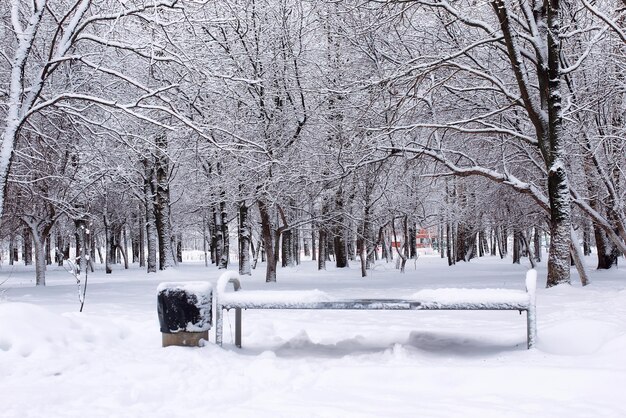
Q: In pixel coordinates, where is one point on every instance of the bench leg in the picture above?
(238, 327)
(531, 325)
(218, 324)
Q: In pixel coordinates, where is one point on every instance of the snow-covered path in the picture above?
(108, 362)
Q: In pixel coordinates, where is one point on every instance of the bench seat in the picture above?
(426, 299)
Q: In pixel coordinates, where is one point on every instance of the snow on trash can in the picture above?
(185, 314)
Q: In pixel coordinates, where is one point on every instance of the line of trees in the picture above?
(322, 127)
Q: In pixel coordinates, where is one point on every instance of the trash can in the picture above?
(185, 314)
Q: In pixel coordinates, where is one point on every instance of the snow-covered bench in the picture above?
(428, 299)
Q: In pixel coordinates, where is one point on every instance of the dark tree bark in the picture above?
(586, 239)
(313, 243)
(225, 235)
(323, 248)
(244, 240)
(268, 242)
(412, 241)
(12, 250)
(205, 240)
(48, 250)
(162, 203)
(287, 259)
(547, 118)
(107, 245)
(537, 244)
(306, 248)
(449, 245)
(27, 247)
(607, 251)
(142, 238)
(517, 254)
(179, 247)
(150, 188)
(295, 242)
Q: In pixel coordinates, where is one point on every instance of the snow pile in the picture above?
(29, 330)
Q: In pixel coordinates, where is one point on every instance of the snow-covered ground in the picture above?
(108, 360)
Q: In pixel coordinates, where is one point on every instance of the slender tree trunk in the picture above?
(323, 248)
(586, 239)
(268, 242)
(12, 250)
(92, 249)
(531, 257)
(537, 244)
(134, 237)
(577, 256)
(225, 257)
(107, 245)
(150, 188)
(412, 241)
(337, 232)
(27, 247)
(142, 239)
(295, 240)
(383, 243)
(516, 246)
(205, 240)
(58, 253)
(449, 244)
(245, 236)
(306, 248)
(48, 250)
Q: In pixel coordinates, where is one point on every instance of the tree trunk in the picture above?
(586, 239)
(48, 250)
(323, 248)
(268, 242)
(245, 236)
(134, 237)
(286, 249)
(516, 246)
(225, 236)
(306, 248)
(295, 244)
(27, 247)
(412, 241)
(40, 261)
(151, 238)
(162, 205)
(560, 225)
(341, 255)
(607, 251)
(205, 241)
(577, 256)
(107, 245)
(142, 239)
(537, 245)
(12, 250)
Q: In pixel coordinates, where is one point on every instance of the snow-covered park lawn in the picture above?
(108, 361)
